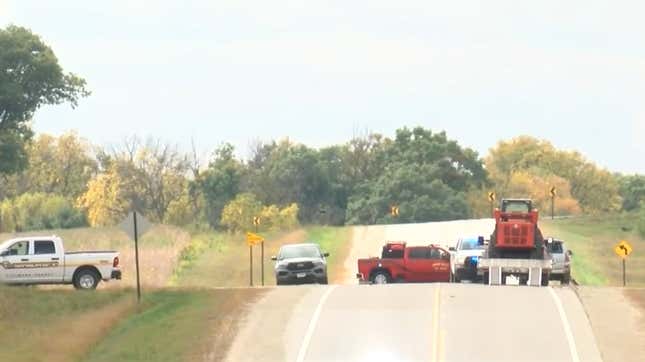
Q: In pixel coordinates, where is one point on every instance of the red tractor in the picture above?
(516, 235)
(517, 247)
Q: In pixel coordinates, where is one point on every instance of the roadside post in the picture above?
(553, 192)
(252, 239)
(256, 222)
(623, 250)
(135, 225)
(491, 199)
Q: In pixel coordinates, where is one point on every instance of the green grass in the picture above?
(176, 325)
(592, 239)
(335, 241)
(163, 331)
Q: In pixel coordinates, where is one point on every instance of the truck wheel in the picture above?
(457, 277)
(485, 278)
(381, 277)
(545, 280)
(324, 281)
(86, 280)
(566, 278)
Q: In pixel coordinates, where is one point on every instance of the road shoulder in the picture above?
(617, 323)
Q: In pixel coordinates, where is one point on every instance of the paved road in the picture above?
(415, 322)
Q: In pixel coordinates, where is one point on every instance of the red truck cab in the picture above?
(402, 263)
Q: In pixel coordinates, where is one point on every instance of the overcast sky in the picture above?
(318, 72)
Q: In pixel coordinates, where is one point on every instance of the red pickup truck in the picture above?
(399, 263)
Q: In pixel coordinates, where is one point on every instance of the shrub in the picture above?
(39, 211)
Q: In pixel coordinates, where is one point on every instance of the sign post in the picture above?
(252, 239)
(552, 191)
(623, 249)
(256, 222)
(491, 199)
(136, 225)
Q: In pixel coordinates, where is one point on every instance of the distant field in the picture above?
(592, 239)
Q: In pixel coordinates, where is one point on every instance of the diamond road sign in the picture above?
(127, 225)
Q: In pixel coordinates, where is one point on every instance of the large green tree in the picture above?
(219, 183)
(30, 77)
(423, 173)
(632, 190)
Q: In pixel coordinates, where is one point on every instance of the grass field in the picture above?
(225, 260)
(56, 325)
(177, 325)
(592, 239)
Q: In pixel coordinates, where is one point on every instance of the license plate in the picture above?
(301, 275)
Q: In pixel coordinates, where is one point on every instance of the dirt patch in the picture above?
(296, 236)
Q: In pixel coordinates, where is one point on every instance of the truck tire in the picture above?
(381, 277)
(566, 278)
(324, 281)
(457, 277)
(485, 278)
(545, 280)
(86, 279)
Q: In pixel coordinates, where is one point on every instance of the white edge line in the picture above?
(567, 328)
(312, 325)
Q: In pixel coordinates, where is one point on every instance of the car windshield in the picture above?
(299, 251)
(470, 245)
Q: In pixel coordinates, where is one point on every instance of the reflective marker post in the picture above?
(136, 253)
(624, 278)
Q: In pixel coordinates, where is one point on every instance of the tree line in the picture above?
(53, 182)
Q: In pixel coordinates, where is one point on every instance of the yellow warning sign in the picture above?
(623, 249)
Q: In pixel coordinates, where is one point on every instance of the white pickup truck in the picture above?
(43, 260)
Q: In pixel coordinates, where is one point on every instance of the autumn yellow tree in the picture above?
(104, 201)
(513, 164)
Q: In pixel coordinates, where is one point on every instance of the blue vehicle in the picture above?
(464, 258)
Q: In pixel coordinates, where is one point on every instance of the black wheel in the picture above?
(381, 277)
(566, 278)
(485, 278)
(457, 277)
(86, 279)
(545, 280)
(323, 281)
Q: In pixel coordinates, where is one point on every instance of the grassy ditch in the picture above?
(592, 239)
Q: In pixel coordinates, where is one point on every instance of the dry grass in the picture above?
(178, 325)
(158, 250)
(226, 262)
(58, 324)
(592, 239)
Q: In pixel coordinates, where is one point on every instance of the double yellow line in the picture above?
(438, 335)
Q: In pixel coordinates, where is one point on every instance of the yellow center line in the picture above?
(435, 323)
